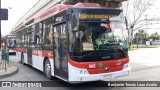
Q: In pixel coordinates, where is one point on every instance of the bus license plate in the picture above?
(107, 76)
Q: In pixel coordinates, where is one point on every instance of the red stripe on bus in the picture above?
(42, 53)
(21, 50)
(99, 66)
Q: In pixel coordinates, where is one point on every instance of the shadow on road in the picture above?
(56, 82)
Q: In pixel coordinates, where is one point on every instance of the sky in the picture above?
(153, 12)
(17, 8)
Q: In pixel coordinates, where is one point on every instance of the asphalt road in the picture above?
(145, 65)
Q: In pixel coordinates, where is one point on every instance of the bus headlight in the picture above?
(126, 66)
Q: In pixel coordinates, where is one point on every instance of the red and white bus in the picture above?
(61, 43)
(9, 42)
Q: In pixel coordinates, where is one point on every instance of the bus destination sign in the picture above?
(95, 16)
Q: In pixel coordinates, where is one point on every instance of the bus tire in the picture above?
(47, 69)
(22, 58)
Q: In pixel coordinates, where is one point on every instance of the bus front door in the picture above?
(60, 59)
(29, 48)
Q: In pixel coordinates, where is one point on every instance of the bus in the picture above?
(9, 42)
(61, 42)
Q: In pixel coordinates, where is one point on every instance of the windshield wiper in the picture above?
(116, 47)
(122, 50)
(97, 52)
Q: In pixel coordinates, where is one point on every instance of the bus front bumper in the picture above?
(96, 77)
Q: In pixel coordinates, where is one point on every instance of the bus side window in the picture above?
(50, 37)
(33, 34)
(41, 32)
(37, 33)
(47, 34)
(55, 36)
(25, 40)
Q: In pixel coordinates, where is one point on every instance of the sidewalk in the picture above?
(11, 70)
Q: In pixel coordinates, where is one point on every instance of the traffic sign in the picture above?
(4, 14)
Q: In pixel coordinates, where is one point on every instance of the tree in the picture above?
(134, 11)
(154, 36)
(141, 34)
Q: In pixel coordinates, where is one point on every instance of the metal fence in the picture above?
(4, 59)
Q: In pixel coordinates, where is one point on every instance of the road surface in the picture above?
(145, 65)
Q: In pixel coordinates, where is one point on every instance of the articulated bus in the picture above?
(61, 42)
(9, 42)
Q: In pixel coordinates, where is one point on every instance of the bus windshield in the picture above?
(11, 41)
(94, 41)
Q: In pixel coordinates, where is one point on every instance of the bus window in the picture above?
(33, 33)
(47, 35)
(41, 32)
(50, 34)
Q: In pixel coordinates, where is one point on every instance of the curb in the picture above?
(9, 74)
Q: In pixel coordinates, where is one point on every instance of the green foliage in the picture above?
(154, 36)
(141, 35)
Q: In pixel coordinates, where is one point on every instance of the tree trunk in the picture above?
(130, 37)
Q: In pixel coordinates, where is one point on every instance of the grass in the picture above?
(134, 46)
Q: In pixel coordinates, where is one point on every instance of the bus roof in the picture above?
(42, 5)
(61, 7)
(57, 9)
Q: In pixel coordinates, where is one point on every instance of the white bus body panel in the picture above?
(18, 55)
(25, 58)
(73, 76)
(37, 61)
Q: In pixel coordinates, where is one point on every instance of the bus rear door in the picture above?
(29, 48)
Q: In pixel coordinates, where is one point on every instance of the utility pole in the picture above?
(146, 26)
(0, 26)
(3, 16)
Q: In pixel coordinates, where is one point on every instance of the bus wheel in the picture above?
(22, 58)
(48, 69)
